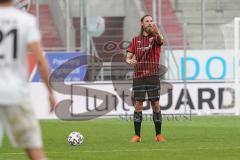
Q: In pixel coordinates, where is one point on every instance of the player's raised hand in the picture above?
(155, 28)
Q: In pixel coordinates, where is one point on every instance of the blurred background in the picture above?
(201, 49)
(105, 28)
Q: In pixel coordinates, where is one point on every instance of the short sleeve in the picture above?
(33, 32)
(131, 47)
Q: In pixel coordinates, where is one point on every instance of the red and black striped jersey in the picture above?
(146, 51)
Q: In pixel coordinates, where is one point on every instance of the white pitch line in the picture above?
(132, 150)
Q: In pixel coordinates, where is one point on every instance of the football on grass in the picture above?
(75, 138)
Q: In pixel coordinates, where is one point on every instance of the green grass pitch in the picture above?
(208, 138)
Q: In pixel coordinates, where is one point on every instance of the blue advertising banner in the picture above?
(57, 59)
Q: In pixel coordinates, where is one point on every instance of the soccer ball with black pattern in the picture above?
(75, 138)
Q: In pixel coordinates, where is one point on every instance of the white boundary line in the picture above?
(136, 150)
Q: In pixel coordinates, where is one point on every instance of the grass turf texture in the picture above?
(108, 139)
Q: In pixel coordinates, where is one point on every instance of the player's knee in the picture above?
(155, 106)
(138, 106)
(155, 103)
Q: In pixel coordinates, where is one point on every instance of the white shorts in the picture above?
(21, 126)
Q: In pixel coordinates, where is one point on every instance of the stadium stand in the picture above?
(218, 13)
(113, 33)
(173, 16)
(170, 22)
(50, 35)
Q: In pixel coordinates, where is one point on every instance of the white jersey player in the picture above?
(18, 33)
(17, 29)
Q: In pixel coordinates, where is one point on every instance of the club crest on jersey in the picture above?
(150, 40)
(23, 4)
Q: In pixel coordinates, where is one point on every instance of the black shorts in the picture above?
(149, 85)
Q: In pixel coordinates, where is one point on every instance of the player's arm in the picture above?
(130, 58)
(36, 49)
(159, 36)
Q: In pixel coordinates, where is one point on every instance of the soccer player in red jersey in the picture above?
(144, 54)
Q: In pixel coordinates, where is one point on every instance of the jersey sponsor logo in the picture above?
(151, 40)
